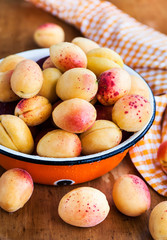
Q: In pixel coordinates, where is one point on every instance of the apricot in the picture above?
(139, 87)
(131, 195)
(59, 143)
(131, 112)
(158, 221)
(102, 136)
(48, 34)
(27, 79)
(16, 188)
(48, 64)
(162, 155)
(85, 44)
(67, 55)
(113, 84)
(34, 111)
(15, 134)
(48, 89)
(83, 207)
(77, 83)
(10, 62)
(103, 59)
(7, 95)
(74, 115)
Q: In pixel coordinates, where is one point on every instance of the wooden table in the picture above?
(38, 219)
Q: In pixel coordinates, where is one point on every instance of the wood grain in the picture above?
(38, 219)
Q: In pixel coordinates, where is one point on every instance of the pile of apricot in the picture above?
(82, 89)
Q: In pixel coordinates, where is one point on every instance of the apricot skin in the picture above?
(158, 221)
(48, 34)
(33, 111)
(74, 115)
(83, 207)
(16, 188)
(7, 95)
(48, 89)
(66, 56)
(113, 84)
(101, 136)
(10, 62)
(59, 143)
(85, 44)
(77, 83)
(131, 195)
(27, 79)
(15, 134)
(162, 155)
(103, 59)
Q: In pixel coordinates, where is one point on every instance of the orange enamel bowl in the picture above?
(63, 171)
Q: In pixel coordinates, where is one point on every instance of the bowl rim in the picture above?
(37, 54)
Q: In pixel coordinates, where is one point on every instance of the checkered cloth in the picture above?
(143, 49)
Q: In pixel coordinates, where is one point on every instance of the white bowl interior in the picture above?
(37, 54)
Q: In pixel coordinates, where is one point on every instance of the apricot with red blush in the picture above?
(77, 83)
(16, 188)
(33, 111)
(113, 84)
(67, 55)
(83, 207)
(131, 112)
(131, 195)
(74, 115)
(48, 34)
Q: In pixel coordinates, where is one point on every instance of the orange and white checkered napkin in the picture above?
(143, 49)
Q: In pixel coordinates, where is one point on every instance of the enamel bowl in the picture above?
(64, 171)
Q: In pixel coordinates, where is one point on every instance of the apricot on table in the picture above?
(48, 34)
(158, 221)
(16, 188)
(83, 207)
(131, 195)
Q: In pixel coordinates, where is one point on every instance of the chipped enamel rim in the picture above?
(37, 54)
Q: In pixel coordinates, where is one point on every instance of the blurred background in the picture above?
(19, 19)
